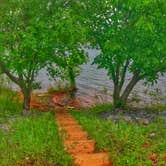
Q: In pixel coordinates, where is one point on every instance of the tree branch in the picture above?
(11, 76)
(124, 73)
(130, 86)
(117, 74)
(113, 73)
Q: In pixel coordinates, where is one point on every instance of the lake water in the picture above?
(94, 82)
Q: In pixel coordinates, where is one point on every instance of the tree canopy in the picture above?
(39, 33)
(35, 33)
(131, 37)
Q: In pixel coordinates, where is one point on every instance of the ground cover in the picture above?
(32, 140)
(129, 143)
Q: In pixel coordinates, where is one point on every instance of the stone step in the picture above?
(82, 146)
(82, 135)
(95, 159)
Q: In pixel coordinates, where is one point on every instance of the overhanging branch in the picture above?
(7, 72)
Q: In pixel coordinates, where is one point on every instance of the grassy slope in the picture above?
(32, 139)
(125, 140)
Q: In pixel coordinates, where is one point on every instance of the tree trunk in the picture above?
(129, 88)
(72, 79)
(116, 96)
(26, 102)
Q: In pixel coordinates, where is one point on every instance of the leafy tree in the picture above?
(132, 38)
(35, 34)
(25, 42)
(69, 54)
(67, 67)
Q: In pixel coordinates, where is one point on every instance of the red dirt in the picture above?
(154, 158)
(37, 101)
(76, 142)
(77, 102)
(163, 156)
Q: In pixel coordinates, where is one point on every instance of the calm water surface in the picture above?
(95, 82)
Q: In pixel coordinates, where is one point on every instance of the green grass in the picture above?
(101, 108)
(9, 103)
(97, 109)
(33, 139)
(125, 140)
(158, 108)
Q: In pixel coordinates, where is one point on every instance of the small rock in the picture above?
(145, 121)
(151, 135)
(127, 118)
(26, 158)
(4, 128)
(137, 119)
(112, 117)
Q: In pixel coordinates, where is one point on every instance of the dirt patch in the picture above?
(39, 101)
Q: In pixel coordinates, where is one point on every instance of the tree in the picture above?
(26, 43)
(131, 36)
(35, 34)
(69, 54)
(68, 66)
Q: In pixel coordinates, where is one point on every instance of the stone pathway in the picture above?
(76, 142)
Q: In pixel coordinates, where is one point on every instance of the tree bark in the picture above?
(72, 79)
(7, 72)
(123, 74)
(129, 88)
(116, 96)
(26, 102)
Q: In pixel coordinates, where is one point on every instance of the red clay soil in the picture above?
(76, 142)
(77, 102)
(37, 101)
(41, 102)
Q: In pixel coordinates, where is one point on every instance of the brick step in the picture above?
(64, 119)
(82, 146)
(77, 144)
(67, 123)
(82, 135)
(62, 113)
(72, 128)
(95, 159)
